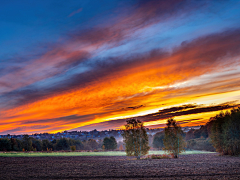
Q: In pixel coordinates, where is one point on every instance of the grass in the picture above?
(109, 153)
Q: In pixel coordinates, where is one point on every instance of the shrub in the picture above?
(157, 156)
(73, 148)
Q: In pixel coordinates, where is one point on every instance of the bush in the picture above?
(73, 148)
(159, 156)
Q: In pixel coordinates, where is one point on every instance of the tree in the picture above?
(27, 143)
(5, 144)
(100, 143)
(120, 145)
(103, 147)
(113, 143)
(14, 144)
(110, 143)
(46, 145)
(225, 132)
(79, 145)
(158, 140)
(19, 145)
(92, 143)
(173, 140)
(135, 138)
(190, 134)
(37, 144)
(62, 144)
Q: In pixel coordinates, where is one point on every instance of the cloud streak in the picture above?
(75, 12)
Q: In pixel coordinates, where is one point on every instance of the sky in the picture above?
(90, 64)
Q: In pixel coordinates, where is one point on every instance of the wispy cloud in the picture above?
(75, 12)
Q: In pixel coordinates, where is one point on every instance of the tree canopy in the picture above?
(173, 140)
(135, 138)
(225, 132)
(110, 143)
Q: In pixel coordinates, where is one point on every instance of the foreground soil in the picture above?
(197, 166)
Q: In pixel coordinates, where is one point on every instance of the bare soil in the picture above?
(197, 166)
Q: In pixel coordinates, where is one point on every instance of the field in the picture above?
(189, 166)
(109, 153)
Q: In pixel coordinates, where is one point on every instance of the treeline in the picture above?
(225, 132)
(195, 140)
(31, 144)
(221, 133)
(199, 139)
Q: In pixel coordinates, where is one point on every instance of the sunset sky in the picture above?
(91, 64)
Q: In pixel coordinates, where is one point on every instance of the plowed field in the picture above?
(196, 166)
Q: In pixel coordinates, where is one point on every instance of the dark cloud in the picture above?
(132, 108)
(102, 125)
(14, 131)
(184, 110)
(22, 129)
(177, 109)
(164, 114)
(64, 119)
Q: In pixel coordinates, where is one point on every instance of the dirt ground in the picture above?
(198, 166)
